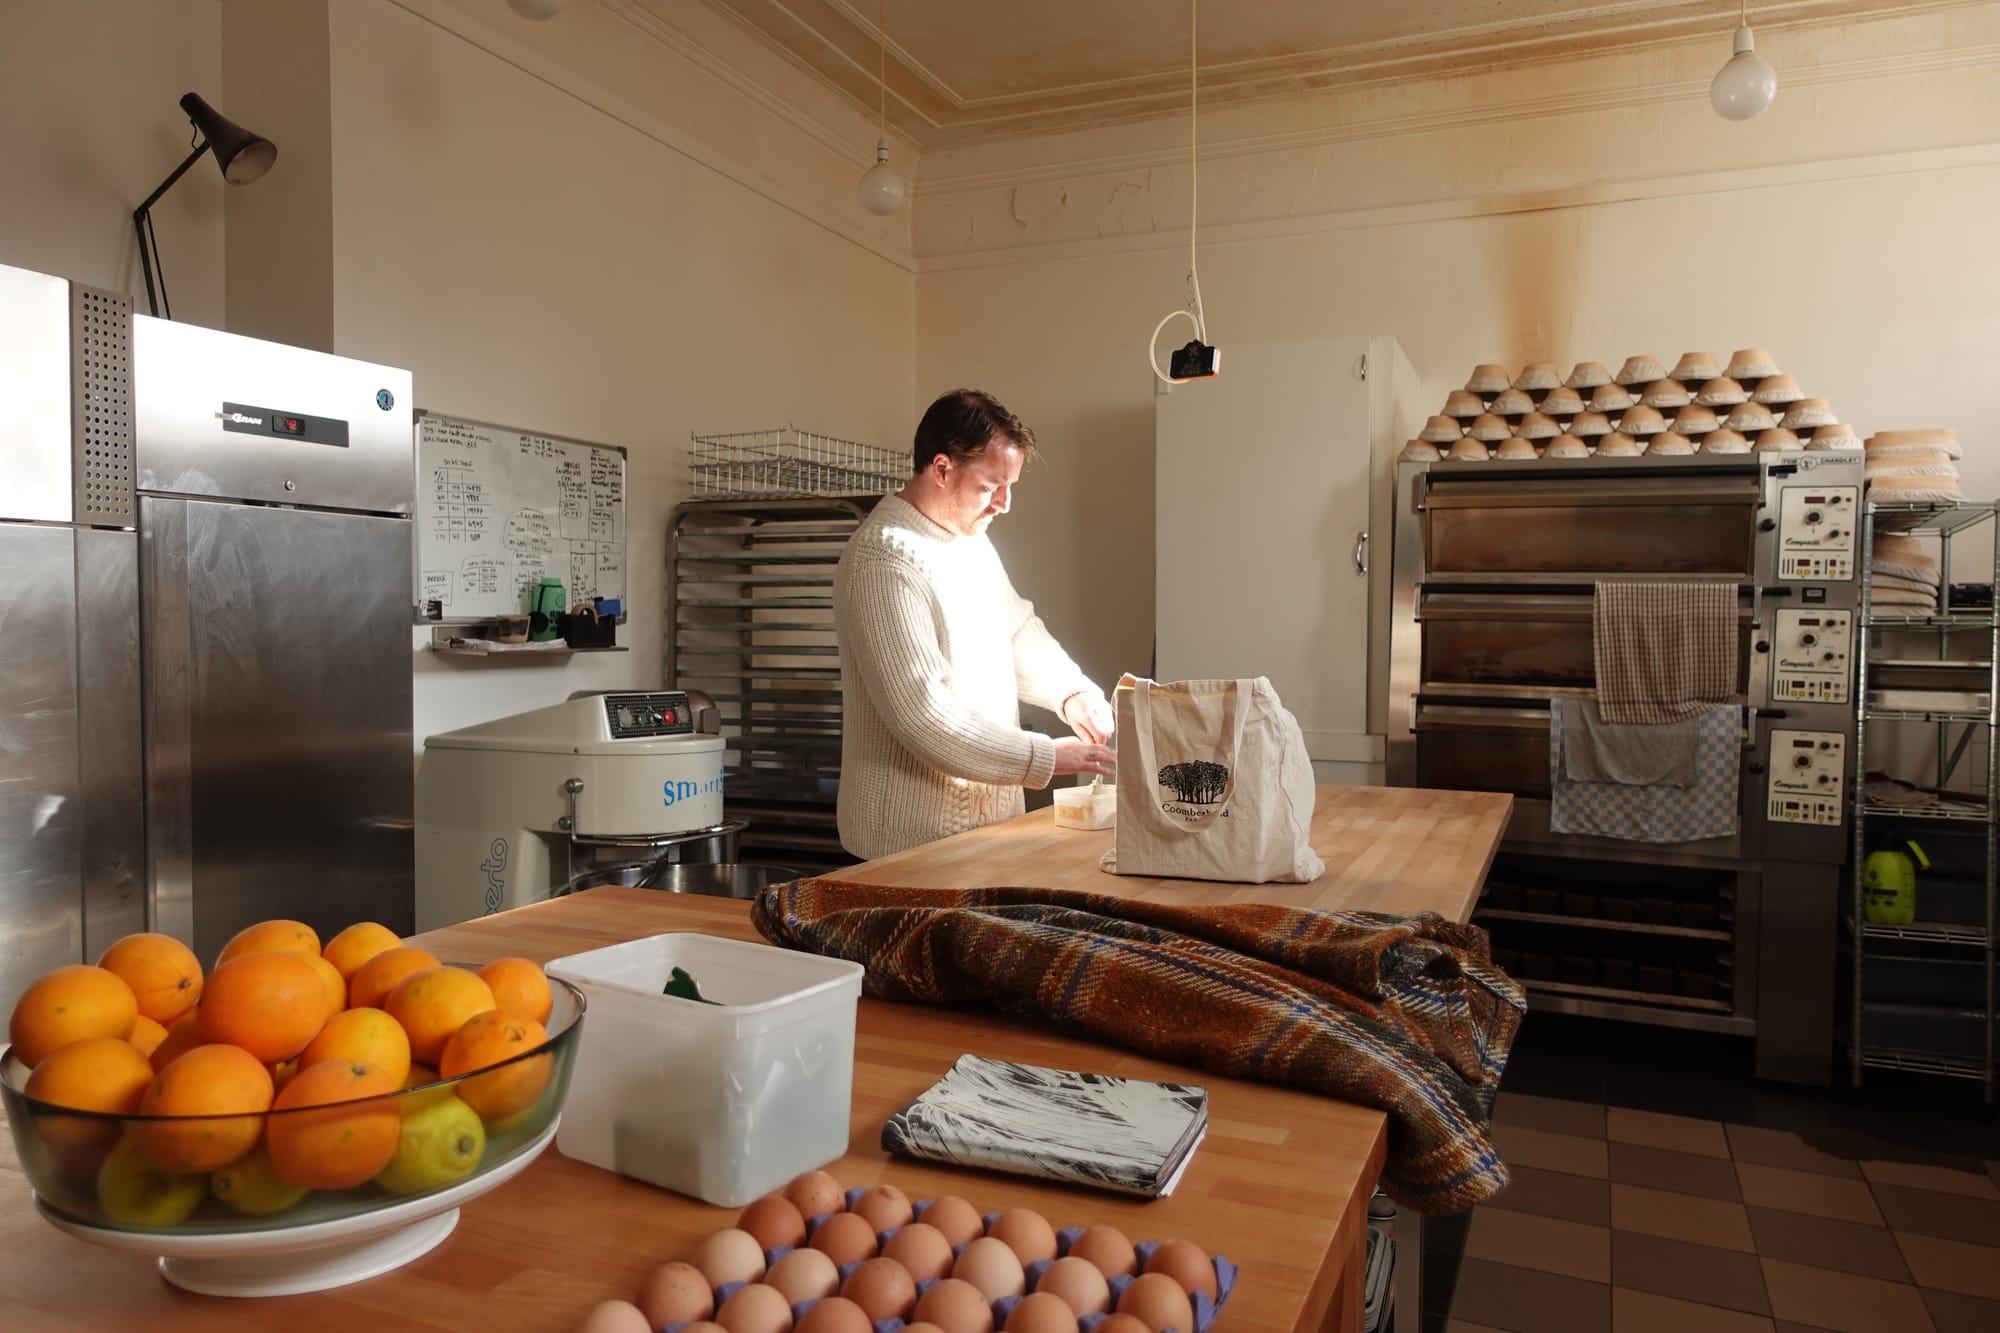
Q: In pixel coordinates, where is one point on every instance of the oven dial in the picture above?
(1814, 516)
(1808, 639)
(1802, 761)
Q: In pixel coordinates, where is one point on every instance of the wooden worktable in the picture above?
(1280, 1184)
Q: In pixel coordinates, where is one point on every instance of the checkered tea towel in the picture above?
(1665, 651)
(1661, 813)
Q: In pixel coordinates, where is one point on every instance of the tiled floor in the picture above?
(1659, 1188)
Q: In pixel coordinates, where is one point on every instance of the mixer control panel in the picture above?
(644, 716)
(1807, 783)
(1812, 656)
(1816, 532)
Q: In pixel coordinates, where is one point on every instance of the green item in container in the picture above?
(681, 986)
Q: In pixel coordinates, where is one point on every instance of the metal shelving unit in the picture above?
(1943, 945)
(749, 622)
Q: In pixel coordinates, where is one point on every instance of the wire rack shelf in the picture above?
(789, 463)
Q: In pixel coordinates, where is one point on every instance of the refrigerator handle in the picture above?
(1361, 554)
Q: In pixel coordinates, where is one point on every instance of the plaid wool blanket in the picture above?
(1404, 1014)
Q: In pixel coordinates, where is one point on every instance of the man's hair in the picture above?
(962, 423)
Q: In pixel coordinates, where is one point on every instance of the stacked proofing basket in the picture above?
(1646, 409)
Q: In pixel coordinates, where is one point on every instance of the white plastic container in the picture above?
(723, 1102)
(1080, 807)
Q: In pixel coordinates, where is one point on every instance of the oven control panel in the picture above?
(1807, 782)
(1816, 527)
(1811, 656)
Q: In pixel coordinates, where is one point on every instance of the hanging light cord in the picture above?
(881, 73)
(1193, 313)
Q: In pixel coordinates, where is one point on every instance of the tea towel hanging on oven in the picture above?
(1664, 651)
(1656, 813)
(1213, 783)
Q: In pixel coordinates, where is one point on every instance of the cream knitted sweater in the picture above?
(936, 653)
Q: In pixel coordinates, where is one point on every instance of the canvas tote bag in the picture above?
(1213, 783)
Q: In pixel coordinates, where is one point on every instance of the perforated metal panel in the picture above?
(101, 403)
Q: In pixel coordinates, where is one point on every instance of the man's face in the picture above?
(978, 492)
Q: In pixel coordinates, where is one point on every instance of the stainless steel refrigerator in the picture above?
(205, 583)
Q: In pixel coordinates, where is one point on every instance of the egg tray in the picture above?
(1205, 1310)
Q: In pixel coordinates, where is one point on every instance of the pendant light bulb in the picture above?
(882, 191)
(1747, 85)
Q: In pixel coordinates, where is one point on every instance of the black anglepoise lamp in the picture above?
(242, 156)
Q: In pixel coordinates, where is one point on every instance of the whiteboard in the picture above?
(499, 509)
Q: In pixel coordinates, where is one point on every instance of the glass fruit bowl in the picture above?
(286, 1214)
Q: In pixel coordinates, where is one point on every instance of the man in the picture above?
(937, 650)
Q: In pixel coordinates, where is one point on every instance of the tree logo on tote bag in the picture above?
(1193, 782)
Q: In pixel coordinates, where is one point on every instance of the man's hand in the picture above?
(1090, 715)
(1075, 755)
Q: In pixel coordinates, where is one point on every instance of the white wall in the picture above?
(89, 93)
(538, 262)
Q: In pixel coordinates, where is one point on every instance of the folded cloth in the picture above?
(1664, 651)
(1882, 582)
(1404, 1014)
(1903, 597)
(1708, 809)
(1594, 750)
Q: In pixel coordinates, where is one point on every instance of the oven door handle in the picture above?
(1449, 717)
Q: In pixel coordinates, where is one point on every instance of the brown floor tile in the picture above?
(1549, 1113)
(1643, 1312)
(1777, 1147)
(1714, 1222)
(1460, 1326)
(1847, 1247)
(1971, 1182)
(1843, 1302)
(1808, 1192)
(1993, 1170)
(1699, 1273)
(1552, 1152)
(1675, 1132)
(1532, 1189)
(1681, 1172)
(1952, 1265)
(1929, 1213)
(1953, 1313)
(1526, 1301)
(1546, 1243)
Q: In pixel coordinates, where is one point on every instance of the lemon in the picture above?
(252, 1186)
(133, 1191)
(441, 1145)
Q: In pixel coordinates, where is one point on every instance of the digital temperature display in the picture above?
(281, 425)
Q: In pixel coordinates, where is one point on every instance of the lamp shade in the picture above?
(882, 191)
(243, 156)
(1747, 84)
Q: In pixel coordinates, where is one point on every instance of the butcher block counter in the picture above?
(1280, 1184)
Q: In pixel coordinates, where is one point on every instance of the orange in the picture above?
(280, 936)
(519, 988)
(354, 946)
(490, 1039)
(163, 973)
(284, 1071)
(329, 977)
(270, 1004)
(419, 1075)
(225, 1091)
(347, 1135)
(374, 979)
(73, 1003)
(182, 1036)
(368, 1036)
(147, 1035)
(433, 1004)
(101, 1074)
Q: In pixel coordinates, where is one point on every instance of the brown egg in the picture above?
(846, 1238)
(756, 1308)
(922, 1249)
(956, 1306)
(814, 1193)
(1158, 1302)
(1079, 1284)
(1186, 1263)
(882, 1287)
(922, 1328)
(1117, 1323)
(833, 1315)
(1107, 1249)
(1042, 1314)
(703, 1326)
(804, 1275)
(1027, 1233)
(774, 1220)
(730, 1255)
(674, 1294)
(885, 1207)
(615, 1317)
(958, 1220)
(990, 1265)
